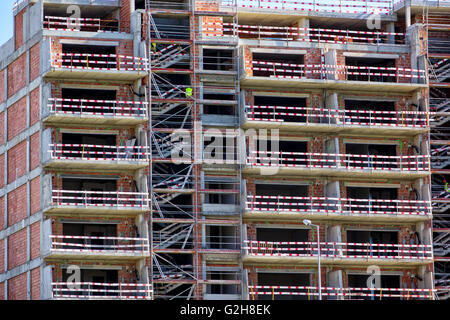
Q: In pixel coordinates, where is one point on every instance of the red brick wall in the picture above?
(34, 62)
(35, 197)
(313, 57)
(34, 151)
(34, 106)
(17, 160)
(35, 235)
(2, 174)
(2, 214)
(35, 284)
(17, 205)
(17, 77)
(2, 256)
(2, 291)
(17, 287)
(17, 249)
(2, 128)
(125, 16)
(2, 85)
(18, 28)
(210, 5)
(17, 120)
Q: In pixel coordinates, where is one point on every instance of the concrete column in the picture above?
(331, 59)
(390, 27)
(408, 14)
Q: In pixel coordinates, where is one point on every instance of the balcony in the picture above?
(72, 65)
(330, 293)
(336, 120)
(96, 112)
(350, 7)
(97, 248)
(343, 209)
(97, 157)
(101, 291)
(54, 23)
(292, 36)
(329, 164)
(336, 77)
(336, 253)
(79, 202)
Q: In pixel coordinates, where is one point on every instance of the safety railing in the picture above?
(80, 24)
(102, 245)
(343, 117)
(310, 292)
(345, 6)
(105, 199)
(339, 250)
(417, 163)
(288, 33)
(100, 62)
(343, 206)
(100, 290)
(97, 107)
(339, 72)
(99, 152)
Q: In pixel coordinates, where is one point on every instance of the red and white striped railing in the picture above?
(310, 292)
(91, 244)
(343, 206)
(346, 117)
(106, 199)
(99, 152)
(347, 6)
(97, 107)
(346, 72)
(100, 62)
(340, 250)
(287, 33)
(417, 163)
(80, 24)
(99, 290)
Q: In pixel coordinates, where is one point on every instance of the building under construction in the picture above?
(216, 149)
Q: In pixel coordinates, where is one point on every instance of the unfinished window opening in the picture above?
(374, 155)
(92, 276)
(93, 191)
(94, 107)
(220, 149)
(223, 276)
(166, 4)
(214, 59)
(282, 152)
(367, 239)
(283, 279)
(221, 237)
(80, 145)
(220, 193)
(171, 28)
(368, 67)
(370, 112)
(361, 281)
(282, 234)
(213, 103)
(90, 230)
(268, 64)
(286, 109)
(280, 196)
(438, 41)
(71, 59)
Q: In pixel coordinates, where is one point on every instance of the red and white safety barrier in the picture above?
(346, 117)
(91, 244)
(291, 71)
(331, 205)
(311, 292)
(418, 163)
(97, 107)
(80, 24)
(101, 62)
(341, 250)
(100, 290)
(335, 36)
(107, 199)
(99, 152)
(348, 6)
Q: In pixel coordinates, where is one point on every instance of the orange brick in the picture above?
(35, 196)
(35, 149)
(17, 287)
(17, 249)
(17, 160)
(35, 235)
(17, 78)
(17, 121)
(34, 62)
(17, 205)
(35, 284)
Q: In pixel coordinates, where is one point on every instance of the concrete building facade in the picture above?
(214, 149)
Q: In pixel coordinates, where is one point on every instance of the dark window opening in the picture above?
(267, 64)
(218, 60)
(267, 108)
(222, 288)
(282, 235)
(283, 279)
(89, 107)
(221, 237)
(367, 238)
(369, 74)
(71, 59)
(90, 230)
(95, 191)
(93, 276)
(360, 281)
(375, 156)
(368, 117)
